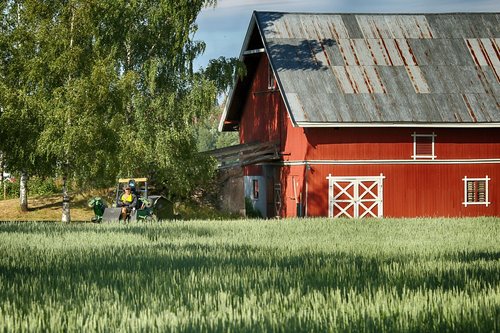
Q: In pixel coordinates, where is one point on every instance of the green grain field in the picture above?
(312, 275)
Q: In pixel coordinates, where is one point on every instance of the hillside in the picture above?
(46, 208)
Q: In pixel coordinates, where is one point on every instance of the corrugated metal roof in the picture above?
(441, 69)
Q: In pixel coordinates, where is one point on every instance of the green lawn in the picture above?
(418, 275)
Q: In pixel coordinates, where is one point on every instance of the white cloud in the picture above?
(254, 3)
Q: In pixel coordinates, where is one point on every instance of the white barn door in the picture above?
(355, 197)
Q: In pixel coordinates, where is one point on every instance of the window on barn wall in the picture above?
(255, 186)
(476, 191)
(423, 146)
(271, 82)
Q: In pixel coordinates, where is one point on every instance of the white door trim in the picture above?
(363, 196)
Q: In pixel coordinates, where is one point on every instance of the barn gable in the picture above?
(350, 70)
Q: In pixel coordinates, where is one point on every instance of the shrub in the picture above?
(36, 186)
(250, 210)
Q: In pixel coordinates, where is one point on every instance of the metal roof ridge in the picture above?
(372, 13)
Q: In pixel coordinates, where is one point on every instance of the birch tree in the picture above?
(21, 96)
(84, 112)
(155, 49)
(112, 89)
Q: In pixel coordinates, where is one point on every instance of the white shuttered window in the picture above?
(476, 191)
(423, 146)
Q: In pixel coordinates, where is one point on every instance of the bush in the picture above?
(11, 190)
(250, 210)
(36, 186)
(43, 186)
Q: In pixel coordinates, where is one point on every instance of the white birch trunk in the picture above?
(2, 178)
(66, 217)
(23, 191)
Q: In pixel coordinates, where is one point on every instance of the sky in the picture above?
(223, 28)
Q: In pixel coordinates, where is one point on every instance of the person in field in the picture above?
(127, 201)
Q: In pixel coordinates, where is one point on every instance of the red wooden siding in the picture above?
(389, 143)
(413, 190)
(410, 188)
(260, 117)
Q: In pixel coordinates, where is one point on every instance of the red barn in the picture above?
(392, 115)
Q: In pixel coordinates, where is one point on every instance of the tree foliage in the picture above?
(223, 71)
(21, 95)
(209, 137)
(104, 88)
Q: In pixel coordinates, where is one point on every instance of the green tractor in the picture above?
(148, 207)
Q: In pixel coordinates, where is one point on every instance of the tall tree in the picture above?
(110, 88)
(155, 50)
(20, 95)
(107, 87)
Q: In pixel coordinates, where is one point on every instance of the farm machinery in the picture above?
(147, 208)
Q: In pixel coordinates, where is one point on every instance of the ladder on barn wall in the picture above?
(277, 199)
(355, 197)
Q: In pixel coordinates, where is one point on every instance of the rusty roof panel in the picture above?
(318, 53)
(348, 53)
(411, 26)
(393, 51)
(326, 27)
(294, 27)
(478, 106)
(485, 52)
(475, 48)
(359, 79)
(394, 26)
(456, 49)
(334, 27)
(374, 80)
(489, 80)
(417, 79)
(357, 75)
(343, 79)
(374, 26)
(378, 52)
(406, 52)
(362, 51)
(492, 51)
(308, 26)
(467, 102)
(492, 75)
(332, 51)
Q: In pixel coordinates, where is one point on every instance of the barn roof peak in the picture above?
(345, 69)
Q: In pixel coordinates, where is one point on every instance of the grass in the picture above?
(45, 208)
(412, 275)
(49, 208)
